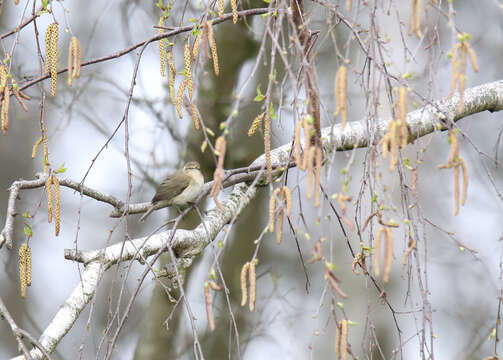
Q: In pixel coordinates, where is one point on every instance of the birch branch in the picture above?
(187, 244)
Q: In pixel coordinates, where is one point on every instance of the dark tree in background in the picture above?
(353, 197)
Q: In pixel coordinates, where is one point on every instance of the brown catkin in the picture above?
(244, 289)
(179, 98)
(341, 80)
(35, 147)
(279, 227)
(209, 309)
(213, 47)
(253, 284)
(171, 76)
(377, 251)
(188, 72)
(388, 253)
(46, 153)
(48, 190)
(465, 180)
(473, 58)
(288, 199)
(234, 7)
(344, 339)
(317, 178)
(338, 341)
(195, 116)
(195, 48)
(77, 60)
(162, 48)
(298, 154)
(456, 190)
(310, 163)
(74, 60)
(57, 205)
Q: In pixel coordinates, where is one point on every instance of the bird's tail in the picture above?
(149, 211)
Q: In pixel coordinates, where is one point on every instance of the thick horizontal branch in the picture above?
(189, 243)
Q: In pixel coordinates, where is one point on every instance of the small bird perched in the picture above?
(179, 188)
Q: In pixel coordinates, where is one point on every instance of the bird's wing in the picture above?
(170, 187)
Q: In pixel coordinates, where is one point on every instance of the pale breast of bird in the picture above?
(192, 191)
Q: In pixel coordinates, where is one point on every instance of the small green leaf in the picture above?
(259, 96)
(61, 169)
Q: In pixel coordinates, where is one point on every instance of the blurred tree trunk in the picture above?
(235, 46)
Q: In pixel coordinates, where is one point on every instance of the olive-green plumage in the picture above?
(179, 188)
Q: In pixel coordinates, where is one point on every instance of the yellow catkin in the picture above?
(377, 251)
(344, 339)
(267, 144)
(338, 341)
(171, 76)
(35, 147)
(272, 209)
(221, 8)
(24, 268)
(255, 124)
(209, 308)
(48, 190)
(234, 7)
(28, 265)
(162, 48)
(179, 98)
(244, 288)
(57, 205)
(288, 199)
(310, 163)
(349, 5)
(253, 285)
(187, 67)
(5, 110)
(213, 47)
(341, 80)
(465, 180)
(317, 179)
(195, 48)
(3, 77)
(388, 253)
(195, 116)
(51, 48)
